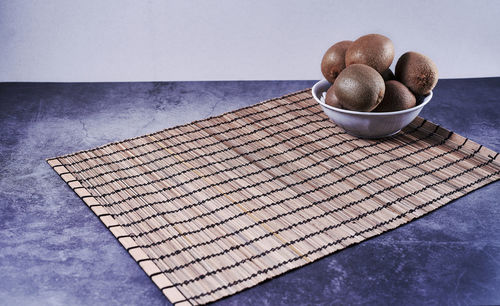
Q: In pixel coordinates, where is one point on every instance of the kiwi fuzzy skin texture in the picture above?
(374, 50)
(418, 72)
(333, 61)
(359, 88)
(397, 97)
(331, 98)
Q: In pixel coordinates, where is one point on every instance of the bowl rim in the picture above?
(426, 100)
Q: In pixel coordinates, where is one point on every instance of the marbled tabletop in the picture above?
(55, 251)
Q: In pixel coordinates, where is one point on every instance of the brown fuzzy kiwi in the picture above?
(333, 61)
(388, 75)
(417, 72)
(359, 87)
(331, 98)
(374, 50)
(397, 97)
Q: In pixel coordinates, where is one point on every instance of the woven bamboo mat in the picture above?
(213, 207)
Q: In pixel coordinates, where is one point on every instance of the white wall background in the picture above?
(118, 40)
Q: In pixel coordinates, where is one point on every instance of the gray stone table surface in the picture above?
(55, 251)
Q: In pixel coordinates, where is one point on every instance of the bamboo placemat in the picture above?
(216, 206)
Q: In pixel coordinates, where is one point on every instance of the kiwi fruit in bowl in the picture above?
(333, 61)
(374, 50)
(418, 72)
(332, 99)
(397, 97)
(359, 87)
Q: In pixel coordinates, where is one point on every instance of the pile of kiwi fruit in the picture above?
(362, 80)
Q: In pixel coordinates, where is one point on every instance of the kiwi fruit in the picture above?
(417, 72)
(331, 98)
(374, 50)
(359, 87)
(397, 97)
(388, 75)
(333, 61)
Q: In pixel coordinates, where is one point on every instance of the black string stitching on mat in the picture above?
(218, 161)
(190, 140)
(253, 197)
(312, 204)
(304, 221)
(187, 151)
(293, 198)
(223, 170)
(347, 237)
(240, 188)
(166, 178)
(235, 247)
(170, 238)
(359, 217)
(219, 183)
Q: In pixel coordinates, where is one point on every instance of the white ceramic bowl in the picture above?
(367, 124)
